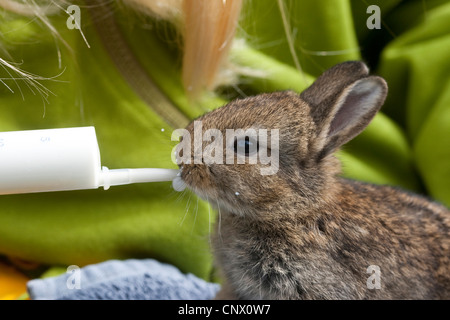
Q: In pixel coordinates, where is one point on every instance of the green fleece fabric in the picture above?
(407, 145)
(82, 227)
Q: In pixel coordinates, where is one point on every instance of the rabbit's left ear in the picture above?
(348, 114)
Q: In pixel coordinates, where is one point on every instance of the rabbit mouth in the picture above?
(195, 178)
(199, 179)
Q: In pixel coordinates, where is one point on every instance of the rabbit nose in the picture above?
(192, 171)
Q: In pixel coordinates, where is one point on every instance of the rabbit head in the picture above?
(251, 155)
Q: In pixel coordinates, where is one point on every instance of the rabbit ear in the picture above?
(333, 81)
(341, 117)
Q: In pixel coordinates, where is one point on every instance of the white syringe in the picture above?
(62, 159)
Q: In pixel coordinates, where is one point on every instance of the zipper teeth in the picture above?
(128, 65)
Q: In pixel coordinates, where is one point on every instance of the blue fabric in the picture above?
(123, 280)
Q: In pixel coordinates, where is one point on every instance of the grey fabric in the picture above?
(123, 280)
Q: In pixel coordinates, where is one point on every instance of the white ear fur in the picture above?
(353, 111)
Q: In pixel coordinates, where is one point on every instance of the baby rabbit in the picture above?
(301, 231)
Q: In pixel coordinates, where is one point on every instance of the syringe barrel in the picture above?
(49, 160)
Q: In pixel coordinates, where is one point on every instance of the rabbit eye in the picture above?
(246, 146)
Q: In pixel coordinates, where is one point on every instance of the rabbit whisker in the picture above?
(188, 205)
(219, 222)
(195, 217)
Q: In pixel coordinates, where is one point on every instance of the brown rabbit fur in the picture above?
(305, 232)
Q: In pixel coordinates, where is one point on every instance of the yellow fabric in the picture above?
(12, 283)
